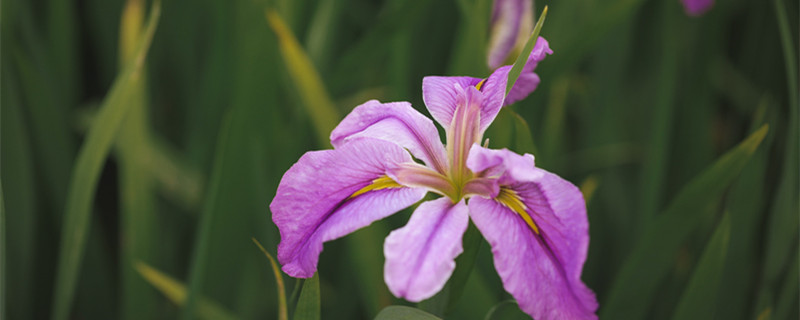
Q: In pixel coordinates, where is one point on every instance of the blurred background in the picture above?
(141, 144)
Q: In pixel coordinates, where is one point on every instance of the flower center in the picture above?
(464, 131)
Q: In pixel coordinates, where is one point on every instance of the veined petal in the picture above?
(315, 203)
(396, 122)
(420, 256)
(539, 260)
(441, 95)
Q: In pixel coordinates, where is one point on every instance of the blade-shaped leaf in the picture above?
(703, 288)
(176, 292)
(312, 90)
(516, 70)
(87, 172)
(282, 311)
(2, 254)
(308, 305)
(404, 313)
(652, 256)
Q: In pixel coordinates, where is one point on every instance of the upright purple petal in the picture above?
(314, 204)
(441, 96)
(541, 267)
(398, 123)
(512, 20)
(420, 256)
(697, 7)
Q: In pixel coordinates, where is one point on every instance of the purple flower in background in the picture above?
(534, 220)
(697, 7)
(511, 24)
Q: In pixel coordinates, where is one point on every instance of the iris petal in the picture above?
(315, 200)
(396, 122)
(420, 256)
(539, 254)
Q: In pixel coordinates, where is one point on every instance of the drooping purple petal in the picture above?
(541, 268)
(313, 203)
(420, 256)
(512, 20)
(528, 80)
(697, 7)
(396, 122)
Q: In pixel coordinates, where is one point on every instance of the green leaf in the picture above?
(282, 310)
(404, 313)
(516, 70)
(789, 57)
(176, 292)
(308, 305)
(699, 297)
(746, 205)
(653, 254)
(87, 169)
(312, 90)
(2, 254)
(657, 148)
(17, 170)
(139, 215)
(786, 303)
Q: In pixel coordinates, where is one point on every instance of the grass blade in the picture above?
(652, 256)
(2, 254)
(516, 70)
(139, 216)
(789, 57)
(282, 311)
(176, 292)
(701, 292)
(308, 305)
(319, 105)
(404, 313)
(656, 154)
(87, 172)
(17, 169)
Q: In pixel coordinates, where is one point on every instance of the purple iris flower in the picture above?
(387, 156)
(511, 24)
(697, 7)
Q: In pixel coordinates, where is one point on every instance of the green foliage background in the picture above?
(134, 172)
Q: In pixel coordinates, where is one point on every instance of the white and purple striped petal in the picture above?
(396, 122)
(315, 203)
(539, 265)
(420, 256)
